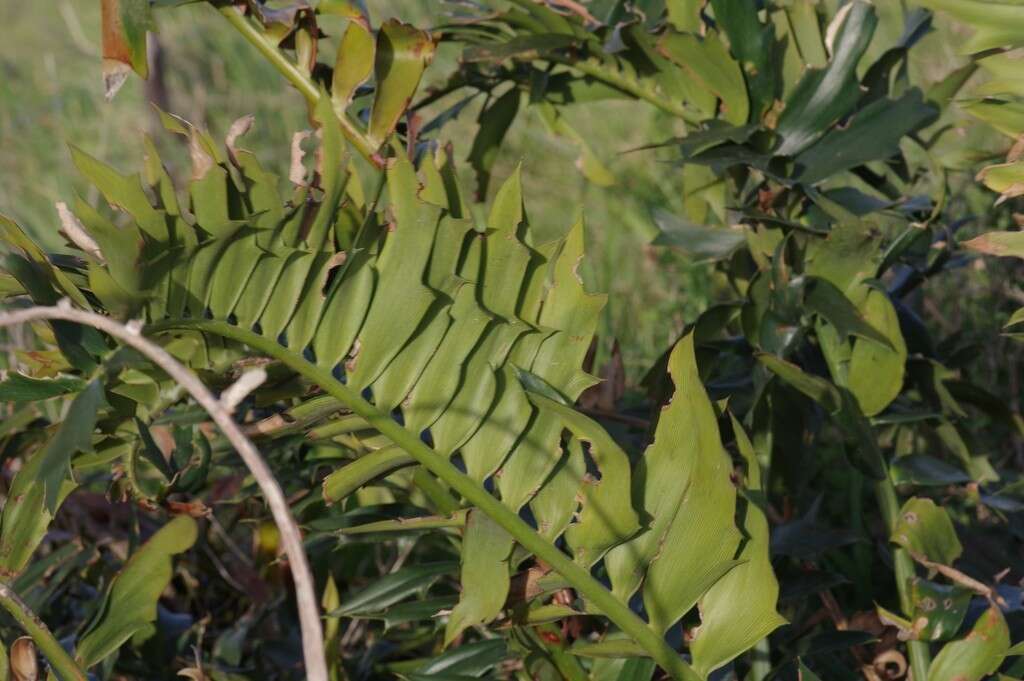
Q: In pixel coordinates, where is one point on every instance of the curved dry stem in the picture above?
(305, 594)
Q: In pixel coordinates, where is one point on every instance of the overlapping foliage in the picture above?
(813, 179)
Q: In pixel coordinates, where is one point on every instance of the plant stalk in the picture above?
(303, 83)
(62, 663)
(580, 578)
(920, 655)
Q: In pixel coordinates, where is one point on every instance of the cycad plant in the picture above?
(408, 362)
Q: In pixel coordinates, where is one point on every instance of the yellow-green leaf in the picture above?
(354, 62)
(926, 531)
(485, 574)
(130, 603)
(403, 52)
(606, 517)
(976, 655)
(707, 61)
(682, 484)
(876, 370)
(739, 610)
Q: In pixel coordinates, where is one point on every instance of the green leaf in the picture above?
(16, 239)
(921, 469)
(682, 484)
(18, 387)
(51, 468)
(26, 519)
(823, 96)
(123, 192)
(707, 61)
(699, 241)
(472, 659)
(633, 669)
(403, 53)
(333, 161)
(606, 517)
(613, 646)
(740, 609)
(401, 265)
(875, 374)
(376, 464)
(554, 357)
(802, 17)
(492, 126)
(1005, 178)
(484, 576)
(588, 163)
(395, 587)
(996, 24)
(556, 502)
(823, 298)
(977, 655)
(818, 389)
(805, 674)
(408, 525)
(1006, 116)
(417, 611)
(846, 257)
(754, 46)
(354, 62)
(874, 133)
(523, 47)
(130, 603)
(939, 609)
(1016, 318)
(926, 531)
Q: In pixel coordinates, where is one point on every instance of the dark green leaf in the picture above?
(874, 133)
(921, 469)
(699, 241)
(471, 659)
(18, 387)
(825, 95)
(397, 586)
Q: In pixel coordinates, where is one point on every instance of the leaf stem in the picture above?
(303, 83)
(580, 578)
(63, 665)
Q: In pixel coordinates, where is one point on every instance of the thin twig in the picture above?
(964, 580)
(305, 594)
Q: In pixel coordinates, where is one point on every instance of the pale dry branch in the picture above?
(291, 537)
